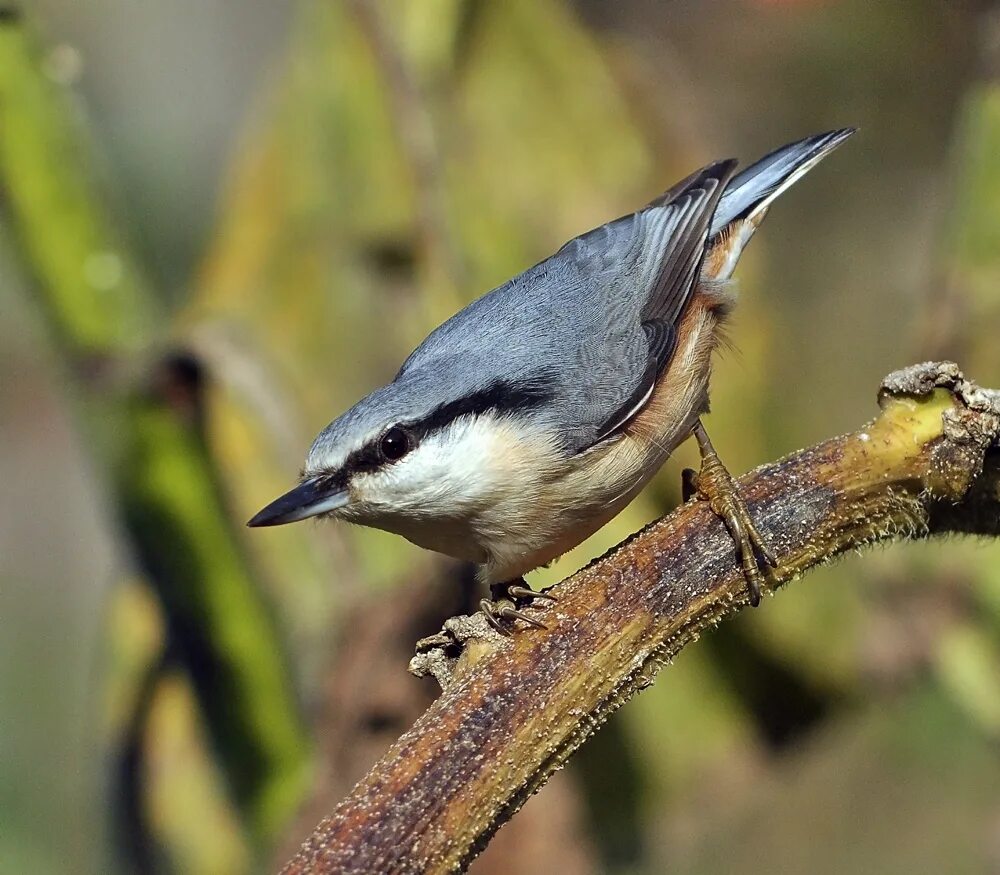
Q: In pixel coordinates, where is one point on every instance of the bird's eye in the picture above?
(395, 444)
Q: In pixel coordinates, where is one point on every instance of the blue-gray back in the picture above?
(579, 322)
(589, 328)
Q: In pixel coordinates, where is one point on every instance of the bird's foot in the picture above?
(715, 484)
(507, 599)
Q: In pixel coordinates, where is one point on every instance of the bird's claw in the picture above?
(497, 612)
(751, 549)
(715, 484)
(503, 605)
(516, 591)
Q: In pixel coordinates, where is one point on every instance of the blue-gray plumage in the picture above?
(532, 416)
(571, 326)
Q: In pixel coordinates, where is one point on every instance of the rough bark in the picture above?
(368, 701)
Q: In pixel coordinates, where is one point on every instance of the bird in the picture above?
(532, 417)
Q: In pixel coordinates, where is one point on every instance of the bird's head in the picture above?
(430, 445)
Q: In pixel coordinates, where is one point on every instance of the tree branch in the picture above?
(514, 709)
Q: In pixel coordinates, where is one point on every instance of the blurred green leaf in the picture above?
(192, 819)
(968, 664)
(98, 298)
(157, 468)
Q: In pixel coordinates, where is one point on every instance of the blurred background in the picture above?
(220, 224)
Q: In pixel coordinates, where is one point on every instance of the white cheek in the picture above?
(456, 471)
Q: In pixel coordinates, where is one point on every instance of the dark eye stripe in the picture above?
(502, 396)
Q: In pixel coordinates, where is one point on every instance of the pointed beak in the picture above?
(310, 498)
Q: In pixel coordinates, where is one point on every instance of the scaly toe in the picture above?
(497, 612)
(715, 483)
(508, 613)
(756, 540)
(492, 613)
(765, 552)
(530, 595)
(749, 544)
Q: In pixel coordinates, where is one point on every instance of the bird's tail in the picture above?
(747, 198)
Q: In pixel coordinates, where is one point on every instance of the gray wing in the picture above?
(674, 230)
(594, 325)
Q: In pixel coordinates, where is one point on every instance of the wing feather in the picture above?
(674, 240)
(674, 235)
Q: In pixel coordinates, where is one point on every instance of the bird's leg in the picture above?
(715, 484)
(503, 604)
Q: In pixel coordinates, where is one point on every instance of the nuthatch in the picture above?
(532, 417)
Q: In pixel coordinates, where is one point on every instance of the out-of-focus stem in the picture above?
(142, 414)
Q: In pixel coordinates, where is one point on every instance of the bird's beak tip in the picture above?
(256, 521)
(266, 517)
(308, 499)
